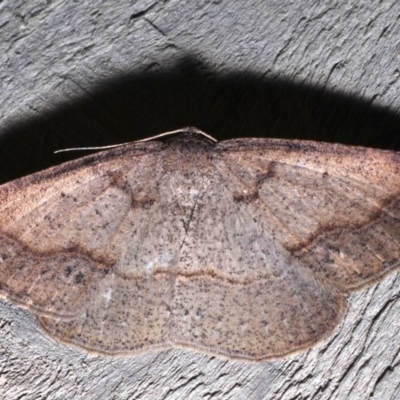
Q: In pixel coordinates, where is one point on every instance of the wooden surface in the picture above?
(93, 73)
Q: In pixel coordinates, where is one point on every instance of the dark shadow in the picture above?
(237, 104)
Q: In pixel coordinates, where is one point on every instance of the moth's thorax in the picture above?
(188, 154)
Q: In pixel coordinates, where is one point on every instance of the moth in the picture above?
(245, 248)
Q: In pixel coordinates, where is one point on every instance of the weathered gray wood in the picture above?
(313, 70)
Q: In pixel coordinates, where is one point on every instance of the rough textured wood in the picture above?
(85, 74)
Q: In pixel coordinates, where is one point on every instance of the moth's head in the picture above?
(190, 138)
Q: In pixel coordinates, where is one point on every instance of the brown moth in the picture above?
(245, 248)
